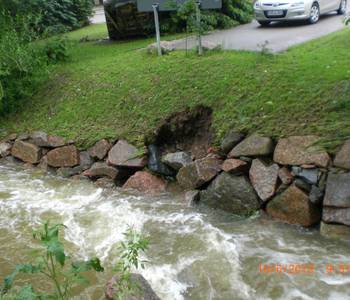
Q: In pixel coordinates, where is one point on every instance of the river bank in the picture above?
(293, 179)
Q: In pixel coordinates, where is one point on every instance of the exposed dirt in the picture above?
(188, 130)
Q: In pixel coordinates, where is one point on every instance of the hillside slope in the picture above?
(116, 90)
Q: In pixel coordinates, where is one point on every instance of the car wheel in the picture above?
(342, 7)
(314, 14)
(264, 23)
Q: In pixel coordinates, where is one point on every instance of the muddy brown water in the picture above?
(195, 253)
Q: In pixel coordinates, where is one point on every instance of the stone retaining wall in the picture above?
(292, 179)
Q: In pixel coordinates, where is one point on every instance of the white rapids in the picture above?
(195, 253)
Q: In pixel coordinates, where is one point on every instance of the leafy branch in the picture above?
(130, 251)
(52, 264)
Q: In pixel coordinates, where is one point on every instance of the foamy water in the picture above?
(195, 253)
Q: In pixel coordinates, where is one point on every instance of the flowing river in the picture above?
(195, 253)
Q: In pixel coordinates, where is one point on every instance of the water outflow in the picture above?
(195, 253)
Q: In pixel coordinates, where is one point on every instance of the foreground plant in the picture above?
(131, 249)
(53, 264)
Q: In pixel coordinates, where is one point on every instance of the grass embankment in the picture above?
(115, 90)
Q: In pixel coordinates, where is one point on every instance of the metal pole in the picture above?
(198, 17)
(156, 21)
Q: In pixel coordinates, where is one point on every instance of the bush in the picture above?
(56, 50)
(233, 12)
(20, 60)
(49, 17)
(23, 61)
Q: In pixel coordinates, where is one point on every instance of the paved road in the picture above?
(98, 15)
(280, 36)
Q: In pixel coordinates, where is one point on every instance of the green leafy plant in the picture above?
(50, 17)
(233, 12)
(130, 250)
(56, 49)
(52, 263)
(22, 63)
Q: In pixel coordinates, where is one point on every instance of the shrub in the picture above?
(20, 62)
(49, 17)
(24, 60)
(233, 12)
(129, 259)
(56, 49)
(210, 20)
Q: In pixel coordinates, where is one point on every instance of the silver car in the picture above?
(267, 11)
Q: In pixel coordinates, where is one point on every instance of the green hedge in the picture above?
(233, 12)
(51, 16)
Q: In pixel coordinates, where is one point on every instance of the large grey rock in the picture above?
(177, 160)
(145, 182)
(86, 160)
(41, 139)
(141, 291)
(67, 156)
(231, 193)
(209, 46)
(338, 190)
(299, 150)
(231, 139)
(166, 47)
(264, 178)
(199, 172)
(342, 159)
(38, 138)
(101, 169)
(254, 145)
(100, 149)
(155, 163)
(293, 207)
(5, 149)
(26, 152)
(336, 215)
(309, 175)
(123, 154)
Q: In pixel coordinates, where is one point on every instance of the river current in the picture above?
(195, 253)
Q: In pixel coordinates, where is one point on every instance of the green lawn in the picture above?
(117, 90)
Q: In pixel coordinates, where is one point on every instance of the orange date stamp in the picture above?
(304, 268)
